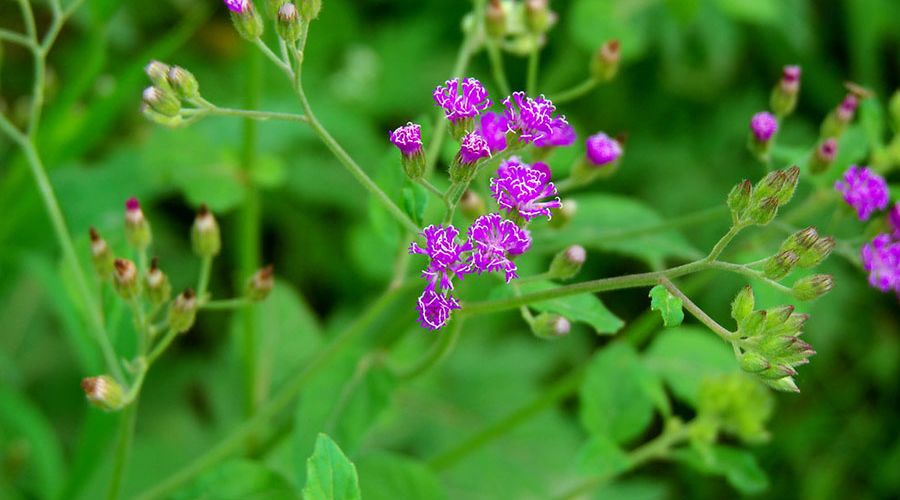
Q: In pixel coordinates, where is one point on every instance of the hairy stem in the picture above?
(226, 304)
(695, 310)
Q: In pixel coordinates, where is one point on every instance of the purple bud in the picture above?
(435, 308)
(408, 139)
(494, 128)
(763, 125)
(602, 149)
(790, 75)
(237, 6)
(864, 190)
(828, 150)
(473, 148)
(847, 108)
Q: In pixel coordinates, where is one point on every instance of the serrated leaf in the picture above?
(668, 305)
(585, 308)
(684, 356)
(330, 475)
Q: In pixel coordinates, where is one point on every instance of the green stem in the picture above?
(534, 58)
(123, 450)
(161, 346)
(431, 188)
(245, 113)
(280, 63)
(438, 352)
(203, 279)
(723, 242)
(751, 273)
(574, 92)
(696, 311)
(452, 197)
(226, 304)
(496, 59)
(13, 37)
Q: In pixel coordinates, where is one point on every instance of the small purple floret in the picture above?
(531, 118)
(494, 128)
(408, 139)
(602, 149)
(520, 187)
(435, 308)
(445, 254)
(894, 219)
(472, 148)
(864, 190)
(495, 238)
(764, 125)
(132, 204)
(461, 103)
(237, 6)
(562, 135)
(847, 108)
(881, 258)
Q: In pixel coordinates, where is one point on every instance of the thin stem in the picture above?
(280, 63)
(751, 273)
(226, 304)
(123, 450)
(496, 59)
(438, 352)
(245, 113)
(431, 187)
(452, 197)
(574, 92)
(17, 38)
(161, 346)
(203, 279)
(723, 243)
(28, 19)
(696, 311)
(534, 58)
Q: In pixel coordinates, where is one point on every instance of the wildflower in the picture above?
(602, 149)
(881, 258)
(246, 20)
(288, 22)
(763, 125)
(531, 118)
(864, 190)
(847, 108)
(237, 6)
(784, 95)
(408, 140)
(473, 148)
(519, 187)
(494, 239)
(461, 103)
(838, 119)
(103, 392)
(445, 254)
(494, 128)
(562, 134)
(435, 308)
(137, 228)
(894, 219)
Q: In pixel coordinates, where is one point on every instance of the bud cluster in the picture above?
(170, 85)
(803, 249)
(759, 204)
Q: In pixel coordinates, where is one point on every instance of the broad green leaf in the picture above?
(585, 308)
(236, 480)
(684, 356)
(329, 473)
(268, 172)
(385, 476)
(415, 199)
(668, 305)
(42, 470)
(600, 456)
(739, 466)
(361, 401)
(215, 183)
(616, 397)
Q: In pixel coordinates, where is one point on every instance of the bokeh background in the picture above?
(693, 72)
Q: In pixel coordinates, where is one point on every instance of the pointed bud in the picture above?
(785, 384)
(550, 326)
(753, 362)
(538, 16)
(743, 304)
(784, 95)
(103, 392)
(125, 279)
(777, 372)
(753, 325)
(786, 192)
(813, 287)
(836, 122)
(137, 228)
(824, 156)
(495, 19)
(814, 256)
(568, 262)
(183, 311)
(288, 23)
(564, 214)
(739, 200)
(309, 9)
(779, 265)
(246, 19)
(101, 256)
(260, 284)
(159, 118)
(764, 211)
(800, 241)
(605, 64)
(157, 72)
(471, 205)
(183, 83)
(162, 101)
(778, 316)
(157, 284)
(205, 237)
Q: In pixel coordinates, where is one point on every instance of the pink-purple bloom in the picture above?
(237, 6)
(847, 108)
(562, 134)
(881, 258)
(461, 100)
(408, 139)
(520, 187)
(864, 190)
(495, 239)
(602, 149)
(435, 308)
(790, 78)
(894, 220)
(531, 118)
(445, 254)
(494, 128)
(472, 148)
(764, 125)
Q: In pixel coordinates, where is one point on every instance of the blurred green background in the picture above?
(693, 72)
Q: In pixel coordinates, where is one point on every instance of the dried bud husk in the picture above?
(260, 284)
(137, 228)
(550, 326)
(183, 83)
(568, 262)
(471, 205)
(813, 287)
(564, 214)
(288, 24)
(183, 311)
(817, 253)
(159, 290)
(101, 256)
(743, 304)
(103, 392)
(125, 279)
(205, 236)
(739, 200)
(823, 157)
(248, 22)
(605, 64)
(162, 100)
(495, 19)
(779, 265)
(158, 72)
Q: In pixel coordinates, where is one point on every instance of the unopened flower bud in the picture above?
(824, 156)
(103, 392)
(739, 200)
(785, 384)
(159, 118)
(205, 237)
(779, 265)
(605, 64)
(408, 140)
(777, 372)
(158, 72)
(813, 287)
(754, 324)
(288, 23)
(309, 9)
(568, 262)
(246, 20)
(183, 311)
(157, 284)
(550, 326)
(800, 241)
(784, 95)
(564, 214)
(743, 304)
(753, 362)
(495, 19)
(183, 82)
(837, 120)
(537, 15)
(764, 212)
(786, 192)
(161, 100)
(137, 228)
(472, 206)
(777, 316)
(101, 256)
(818, 252)
(472, 150)
(125, 279)
(763, 126)
(260, 284)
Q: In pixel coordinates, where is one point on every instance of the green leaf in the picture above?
(618, 395)
(739, 466)
(386, 476)
(600, 456)
(329, 473)
(361, 401)
(268, 172)
(871, 118)
(41, 472)
(668, 305)
(585, 308)
(237, 480)
(684, 356)
(415, 199)
(764, 12)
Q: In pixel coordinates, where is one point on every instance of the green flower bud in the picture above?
(538, 16)
(101, 256)
(309, 9)
(568, 262)
(800, 241)
(260, 284)
(753, 362)
(159, 118)
(163, 101)
(158, 72)
(550, 326)
(495, 19)
(247, 22)
(471, 205)
(819, 251)
(137, 228)
(183, 311)
(786, 191)
(813, 287)
(764, 211)
(785, 384)
(777, 316)
(288, 23)
(183, 82)
(777, 372)
(753, 325)
(157, 284)
(564, 214)
(104, 392)
(605, 64)
(205, 236)
(743, 304)
(739, 200)
(779, 265)
(125, 279)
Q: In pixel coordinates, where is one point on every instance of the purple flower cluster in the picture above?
(562, 134)
(894, 219)
(473, 147)
(494, 128)
(237, 6)
(864, 190)
(881, 258)
(495, 239)
(519, 189)
(408, 139)
(763, 125)
(531, 118)
(461, 99)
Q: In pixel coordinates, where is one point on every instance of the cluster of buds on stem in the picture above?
(759, 204)
(804, 249)
(170, 86)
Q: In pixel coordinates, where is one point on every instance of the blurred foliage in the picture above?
(693, 73)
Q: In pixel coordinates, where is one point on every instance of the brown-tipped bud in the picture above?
(779, 265)
(800, 241)
(784, 95)
(819, 251)
(101, 256)
(568, 262)
(157, 284)
(137, 228)
(471, 205)
(778, 371)
(785, 384)
(824, 156)
(103, 392)
(495, 19)
(260, 284)
(778, 316)
(743, 304)
(813, 287)
(183, 82)
(157, 72)
(162, 100)
(605, 64)
(739, 200)
(287, 23)
(753, 362)
(564, 214)
(125, 279)
(786, 192)
(183, 311)
(205, 236)
(764, 212)
(550, 326)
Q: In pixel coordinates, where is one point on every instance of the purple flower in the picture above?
(458, 105)
(495, 238)
(881, 258)
(237, 6)
(408, 139)
(472, 148)
(602, 150)
(531, 118)
(864, 190)
(790, 78)
(763, 125)
(520, 187)
(494, 128)
(847, 108)
(562, 134)
(445, 254)
(894, 219)
(435, 308)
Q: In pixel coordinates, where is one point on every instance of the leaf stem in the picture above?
(575, 92)
(123, 450)
(439, 351)
(534, 59)
(225, 304)
(696, 311)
